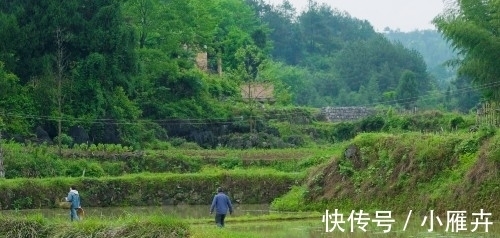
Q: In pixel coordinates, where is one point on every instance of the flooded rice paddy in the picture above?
(308, 227)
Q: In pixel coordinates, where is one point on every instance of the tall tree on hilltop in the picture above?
(144, 15)
(238, 26)
(284, 30)
(326, 30)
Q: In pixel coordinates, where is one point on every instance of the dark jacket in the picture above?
(221, 204)
(74, 198)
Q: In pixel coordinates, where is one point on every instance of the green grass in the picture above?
(295, 225)
(130, 226)
(397, 171)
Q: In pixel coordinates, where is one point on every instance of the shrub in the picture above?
(93, 169)
(158, 145)
(372, 124)
(296, 140)
(470, 145)
(176, 142)
(81, 167)
(65, 140)
(345, 131)
(457, 122)
(113, 168)
(230, 163)
(486, 131)
(33, 165)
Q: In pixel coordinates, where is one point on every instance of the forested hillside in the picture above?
(331, 58)
(438, 54)
(124, 71)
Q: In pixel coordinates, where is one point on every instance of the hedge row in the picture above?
(249, 187)
(39, 163)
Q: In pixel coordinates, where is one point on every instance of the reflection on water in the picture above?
(181, 211)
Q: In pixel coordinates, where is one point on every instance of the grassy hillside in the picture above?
(399, 172)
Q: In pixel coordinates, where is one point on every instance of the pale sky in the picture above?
(405, 15)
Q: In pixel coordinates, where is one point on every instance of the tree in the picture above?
(144, 14)
(407, 91)
(61, 68)
(9, 38)
(466, 96)
(235, 25)
(15, 104)
(99, 50)
(472, 28)
(284, 31)
(326, 30)
(289, 83)
(373, 91)
(250, 59)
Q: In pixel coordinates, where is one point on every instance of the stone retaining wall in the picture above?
(337, 114)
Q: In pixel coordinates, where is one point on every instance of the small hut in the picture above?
(258, 92)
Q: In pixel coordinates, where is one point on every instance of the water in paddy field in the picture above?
(181, 211)
(310, 227)
(315, 228)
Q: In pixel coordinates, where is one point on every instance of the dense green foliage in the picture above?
(344, 61)
(472, 29)
(435, 50)
(144, 123)
(453, 92)
(124, 72)
(111, 79)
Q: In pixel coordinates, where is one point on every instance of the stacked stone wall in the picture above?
(337, 114)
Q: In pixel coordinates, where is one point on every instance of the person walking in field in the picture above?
(74, 198)
(221, 204)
